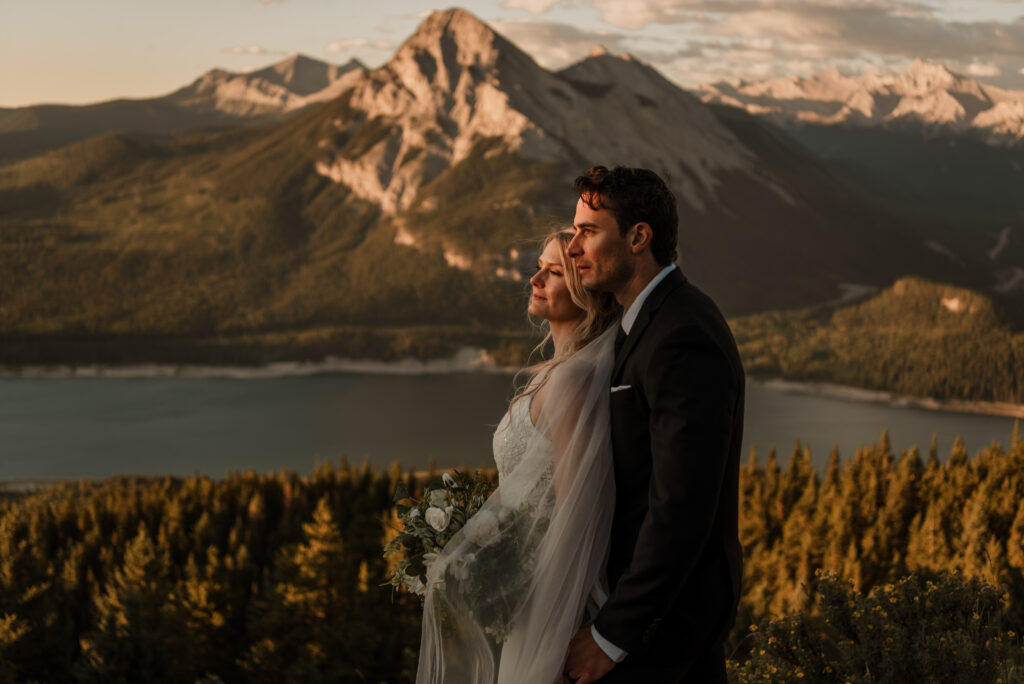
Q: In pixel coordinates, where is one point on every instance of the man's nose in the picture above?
(573, 249)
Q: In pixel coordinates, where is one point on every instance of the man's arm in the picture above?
(692, 393)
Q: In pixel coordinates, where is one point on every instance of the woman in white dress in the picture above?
(514, 585)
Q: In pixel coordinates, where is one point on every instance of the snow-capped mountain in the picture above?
(928, 96)
(290, 84)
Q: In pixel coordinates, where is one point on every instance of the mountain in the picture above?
(927, 97)
(401, 216)
(929, 142)
(287, 85)
(218, 98)
(416, 127)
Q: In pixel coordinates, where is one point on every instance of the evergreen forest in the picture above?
(886, 567)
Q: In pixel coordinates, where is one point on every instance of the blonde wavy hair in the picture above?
(600, 310)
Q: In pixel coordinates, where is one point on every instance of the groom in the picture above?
(677, 422)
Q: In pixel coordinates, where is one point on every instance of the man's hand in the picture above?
(586, 662)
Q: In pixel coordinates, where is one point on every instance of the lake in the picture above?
(95, 427)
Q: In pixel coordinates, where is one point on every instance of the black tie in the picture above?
(620, 339)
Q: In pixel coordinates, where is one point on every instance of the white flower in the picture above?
(438, 496)
(415, 585)
(483, 527)
(414, 513)
(438, 518)
(449, 481)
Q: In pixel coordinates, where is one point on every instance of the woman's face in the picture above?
(551, 300)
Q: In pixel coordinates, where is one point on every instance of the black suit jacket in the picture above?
(675, 560)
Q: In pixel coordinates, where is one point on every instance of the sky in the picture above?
(74, 52)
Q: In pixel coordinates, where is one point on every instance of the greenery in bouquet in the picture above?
(428, 524)
(491, 573)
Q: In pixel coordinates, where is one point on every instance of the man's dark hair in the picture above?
(634, 196)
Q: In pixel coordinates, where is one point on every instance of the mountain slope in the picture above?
(218, 98)
(290, 84)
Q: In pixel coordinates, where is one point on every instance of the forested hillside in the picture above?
(916, 338)
(276, 577)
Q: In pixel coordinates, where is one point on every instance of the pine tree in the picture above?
(308, 637)
(138, 633)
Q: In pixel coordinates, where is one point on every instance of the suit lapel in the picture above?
(654, 300)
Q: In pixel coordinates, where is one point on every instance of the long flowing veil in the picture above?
(506, 595)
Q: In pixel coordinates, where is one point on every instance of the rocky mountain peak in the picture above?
(303, 75)
(925, 77)
(457, 81)
(450, 39)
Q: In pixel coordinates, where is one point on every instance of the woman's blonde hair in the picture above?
(600, 310)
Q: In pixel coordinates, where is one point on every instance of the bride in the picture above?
(511, 588)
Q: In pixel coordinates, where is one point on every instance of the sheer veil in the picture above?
(512, 586)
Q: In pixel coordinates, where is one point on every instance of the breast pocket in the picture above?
(629, 412)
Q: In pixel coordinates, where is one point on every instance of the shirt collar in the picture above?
(629, 316)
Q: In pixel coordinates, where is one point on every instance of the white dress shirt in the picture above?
(628, 319)
(630, 314)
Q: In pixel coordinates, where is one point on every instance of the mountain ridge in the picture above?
(927, 97)
(218, 98)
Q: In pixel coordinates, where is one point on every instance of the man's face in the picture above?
(600, 253)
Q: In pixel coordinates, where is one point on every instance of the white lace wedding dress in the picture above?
(513, 437)
(488, 620)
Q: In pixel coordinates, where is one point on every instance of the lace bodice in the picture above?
(513, 437)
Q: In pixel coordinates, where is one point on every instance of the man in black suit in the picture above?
(674, 565)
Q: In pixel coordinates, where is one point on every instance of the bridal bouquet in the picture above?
(429, 524)
(489, 574)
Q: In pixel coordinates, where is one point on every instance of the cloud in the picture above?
(637, 14)
(556, 45)
(838, 27)
(531, 6)
(756, 39)
(346, 44)
(983, 69)
(251, 50)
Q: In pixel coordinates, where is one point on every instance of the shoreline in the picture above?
(465, 360)
(834, 391)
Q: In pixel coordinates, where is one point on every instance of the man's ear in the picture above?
(640, 237)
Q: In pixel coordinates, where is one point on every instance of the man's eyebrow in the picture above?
(585, 225)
